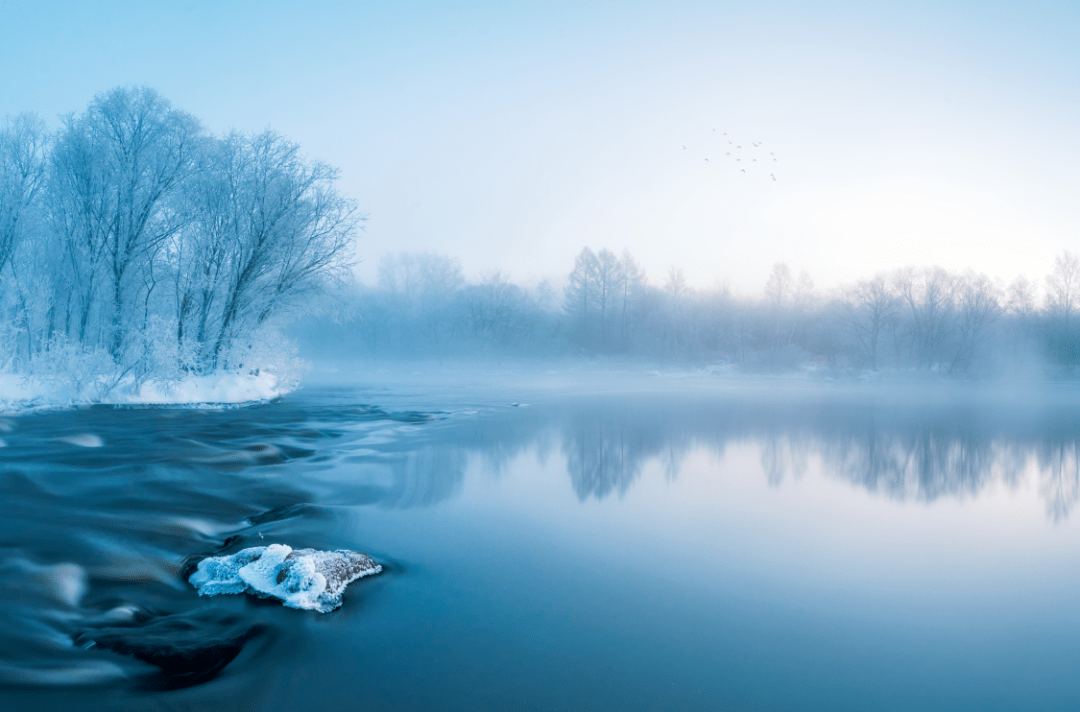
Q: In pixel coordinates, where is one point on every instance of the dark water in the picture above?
(697, 548)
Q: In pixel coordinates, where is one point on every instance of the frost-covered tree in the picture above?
(23, 155)
(677, 297)
(927, 296)
(581, 294)
(1062, 299)
(1063, 287)
(497, 311)
(136, 244)
(631, 292)
(117, 170)
(23, 145)
(868, 308)
(978, 305)
(609, 281)
(422, 290)
(265, 229)
(786, 300)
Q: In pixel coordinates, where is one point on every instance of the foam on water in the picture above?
(62, 582)
(306, 579)
(84, 440)
(43, 605)
(205, 527)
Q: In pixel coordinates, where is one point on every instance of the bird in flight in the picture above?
(743, 170)
(772, 176)
(706, 160)
(755, 144)
(684, 148)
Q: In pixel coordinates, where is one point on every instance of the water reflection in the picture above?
(425, 476)
(606, 448)
(105, 509)
(1059, 472)
(902, 452)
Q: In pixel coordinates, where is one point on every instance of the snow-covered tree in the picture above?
(868, 309)
(132, 234)
(117, 171)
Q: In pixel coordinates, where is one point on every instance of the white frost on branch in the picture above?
(141, 255)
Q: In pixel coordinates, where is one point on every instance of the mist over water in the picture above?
(553, 541)
(911, 323)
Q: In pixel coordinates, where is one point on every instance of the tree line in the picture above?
(134, 242)
(931, 320)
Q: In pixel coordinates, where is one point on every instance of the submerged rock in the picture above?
(305, 578)
(189, 648)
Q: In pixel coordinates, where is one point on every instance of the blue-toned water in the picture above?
(658, 546)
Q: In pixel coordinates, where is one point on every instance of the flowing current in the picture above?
(691, 546)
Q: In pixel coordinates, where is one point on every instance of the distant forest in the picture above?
(912, 320)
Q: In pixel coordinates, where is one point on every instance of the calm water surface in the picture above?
(712, 548)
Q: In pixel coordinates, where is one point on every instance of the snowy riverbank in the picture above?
(22, 392)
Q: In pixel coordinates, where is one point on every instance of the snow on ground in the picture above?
(20, 392)
(226, 388)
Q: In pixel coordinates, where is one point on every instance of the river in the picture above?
(665, 545)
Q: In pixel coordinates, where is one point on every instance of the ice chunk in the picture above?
(221, 574)
(305, 578)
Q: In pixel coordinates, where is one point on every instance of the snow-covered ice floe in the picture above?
(303, 578)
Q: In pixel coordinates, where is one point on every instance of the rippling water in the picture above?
(689, 548)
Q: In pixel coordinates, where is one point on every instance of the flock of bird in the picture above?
(735, 154)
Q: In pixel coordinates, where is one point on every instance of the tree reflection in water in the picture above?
(1059, 472)
(901, 451)
(606, 447)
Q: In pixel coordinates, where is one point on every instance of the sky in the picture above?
(511, 135)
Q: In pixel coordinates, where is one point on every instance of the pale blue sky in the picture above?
(512, 135)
